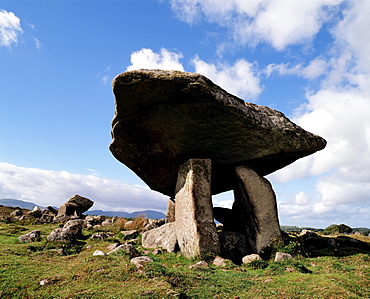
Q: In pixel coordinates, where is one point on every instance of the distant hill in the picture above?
(16, 203)
(147, 214)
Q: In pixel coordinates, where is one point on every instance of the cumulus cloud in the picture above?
(148, 59)
(339, 111)
(277, 22)
(314, 69)
(240, 79)
(47, 187)
(10, 28)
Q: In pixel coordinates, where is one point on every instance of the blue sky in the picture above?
(307, 59)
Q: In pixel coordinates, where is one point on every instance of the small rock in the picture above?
(128, 248)
(88, 247)
(44, 282)
(99, 252)
(140, 261)
(36, 212)
(16, 213)
(307, 233)
(106, 222)
(201, 264)
(250, 258)
(281, 256)
(219, 261)
(157, 251)
(102, 236)
(129, 234)
(32, 236)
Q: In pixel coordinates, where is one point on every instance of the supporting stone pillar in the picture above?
(194, 226)
(255, 206)
(170, 214)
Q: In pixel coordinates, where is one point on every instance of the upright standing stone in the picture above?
(170, 214)
(194, 225)
(255, 206)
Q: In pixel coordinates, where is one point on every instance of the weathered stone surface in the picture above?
(140, 261)
(102, 235)
(233, 246)
(170, 214)
(32, 236)
(165, 118)
(128, 248)
(194, 225)
(255, 206)
(164, 237)
(250, 258)
(75, 206)
(99, 252)
(36, 212)
(129, 234)
(282, 256)
(201, 264)
(70, 231)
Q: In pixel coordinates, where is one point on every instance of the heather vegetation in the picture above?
(323, 266)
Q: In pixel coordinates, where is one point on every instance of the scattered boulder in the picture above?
(250, 258)
(36, 212)
(128, 248)
(70, 232)
(157, 251)
(16, 213)
(102, 235)
(201, 264)
(32, 236)
(99, 252)
(140, 261)
(113, 246)
(164, 237)
(47, 218)
(282, 256)
(129, 234)
(219, 262)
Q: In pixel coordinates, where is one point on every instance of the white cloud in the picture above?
(278, 22)
(315, 68)
(47, 187)
(148, 59)
(240, 79)
(339, 111)
(10, 28)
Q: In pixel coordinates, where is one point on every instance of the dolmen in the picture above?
(187, 138)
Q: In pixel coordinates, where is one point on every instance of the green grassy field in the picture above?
(73, 272)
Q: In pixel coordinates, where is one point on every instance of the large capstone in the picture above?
(165, 118)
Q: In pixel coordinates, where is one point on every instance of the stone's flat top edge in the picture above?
(275, 118)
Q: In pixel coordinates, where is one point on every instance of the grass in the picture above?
(73, 272)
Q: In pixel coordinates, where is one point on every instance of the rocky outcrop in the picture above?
(165, 118)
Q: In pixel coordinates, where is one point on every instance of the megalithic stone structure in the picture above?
(167, 122)
(255, 207)
(194, 224)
